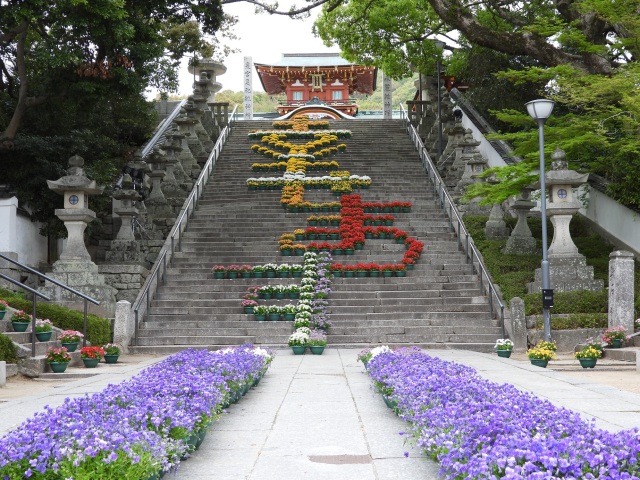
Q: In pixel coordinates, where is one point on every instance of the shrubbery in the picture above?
(98, 328)
(7, 350)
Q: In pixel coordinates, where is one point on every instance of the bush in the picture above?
(576, 320)
(98, 328)
(569, 302)
(7, 350)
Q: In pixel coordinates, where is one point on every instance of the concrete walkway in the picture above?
(318, 417)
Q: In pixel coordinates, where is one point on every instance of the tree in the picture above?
(47, 48)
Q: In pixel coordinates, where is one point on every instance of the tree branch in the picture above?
(273, 9)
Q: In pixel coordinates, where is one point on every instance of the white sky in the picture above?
(265, 38)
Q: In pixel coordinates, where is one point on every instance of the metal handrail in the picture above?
(162, 128)
(174, 239)
(447, 204)
(84, 297)
(33, 308)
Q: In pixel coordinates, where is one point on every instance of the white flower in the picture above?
(379, 350)
(304, 330)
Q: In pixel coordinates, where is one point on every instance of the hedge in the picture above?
(7, 350)
(569, 302)
(98, 328)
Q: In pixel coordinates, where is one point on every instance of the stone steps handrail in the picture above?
(174, 239)
(162, 129)
(455, 220)
(84, 297)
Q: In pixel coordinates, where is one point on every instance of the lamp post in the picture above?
(540, 110)
(440, 46)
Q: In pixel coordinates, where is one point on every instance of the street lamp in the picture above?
(540, 110)
(440, 46)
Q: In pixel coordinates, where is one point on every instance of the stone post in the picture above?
(387, 102)
(3, 373)
(621, 290)
(248, 88)
(518, 324)
(496, 227)
(123, 326)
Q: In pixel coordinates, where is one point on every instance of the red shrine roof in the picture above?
(275, 78)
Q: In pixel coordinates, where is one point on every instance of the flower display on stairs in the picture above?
(297, 150)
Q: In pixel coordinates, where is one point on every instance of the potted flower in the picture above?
(613, 336)
(588, 356)
(245, 271)
(249, 305)
(3, 308)
(317, 341)
(58, 359)
(44, 329)
(91, 356)
(299, 340)
(541, 354)
(219, 271)
(234, 271)
(260, 312)
(364, 356)
(20, 321)
(70, 339)
(258, 271)
(503, 347)
(111, 352)
(289, 311)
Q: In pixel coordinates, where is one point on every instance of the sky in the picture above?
(265, 38)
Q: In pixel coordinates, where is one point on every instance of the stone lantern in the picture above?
(75, 267)
(521, 241)
(76, 188)
(568, 269)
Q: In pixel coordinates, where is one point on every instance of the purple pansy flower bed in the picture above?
(134, 429)
(478, 429)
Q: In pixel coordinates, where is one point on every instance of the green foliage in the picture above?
(7, 350)
(98, 328)
(575, 321)
(569, 302)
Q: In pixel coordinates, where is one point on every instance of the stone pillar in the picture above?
(496, 228)
(186, 129)
(621, 290)
(521, 241)
(518, 324)
(75, 267)
(387, 102)
(3, 373)
(248, 88)
(123, 326)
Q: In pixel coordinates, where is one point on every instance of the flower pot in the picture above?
(248, 310)
(2, 312)
(349, 251)
(401, 274)
(271, 274)
(279, 296)
(504, 353)
(410, 266)
(289, 316)
(359, 246)
(260, 318)
(246, 274)
(70, 346)
(266, 296)
(349, 274)
(258, 274)
(44, 336)
(337, 273)
(338, 251)
(539, 362)
(232, 274)
(274, 317)
(20, 326)
(387, 273)
(296, 274)
(286, 253)
(588, 362)
(218, 274)
(111, 358)
(298, 350)
(616, 343)
(317, 349)
(58, 367)
(374, 273)
(293, 295)
(299, 251)
(390, 402)
(283, 274)
(361, 274)
(90, 362)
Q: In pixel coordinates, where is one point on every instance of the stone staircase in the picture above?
(438, 304)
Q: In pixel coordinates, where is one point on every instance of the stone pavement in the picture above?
(318, 417)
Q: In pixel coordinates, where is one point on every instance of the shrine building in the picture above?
(317, 78)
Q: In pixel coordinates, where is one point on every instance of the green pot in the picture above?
(71, 347)
(20, 326)
(349, 251)
(58, 367)
(248, 310)
(274, 317)
(317, 349)
(111, 358)
(616, 343)
(260, 318)
(2, 312)
(387, 273)
(289, 316)
(218, 275)
(588, 362)
(258, 274)
(504, 353)
(539, 362)
(298, 350)
(401, 274)
(44, 336)
(91, 362)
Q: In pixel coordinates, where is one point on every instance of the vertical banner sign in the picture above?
(386, 97)
(248, 88)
